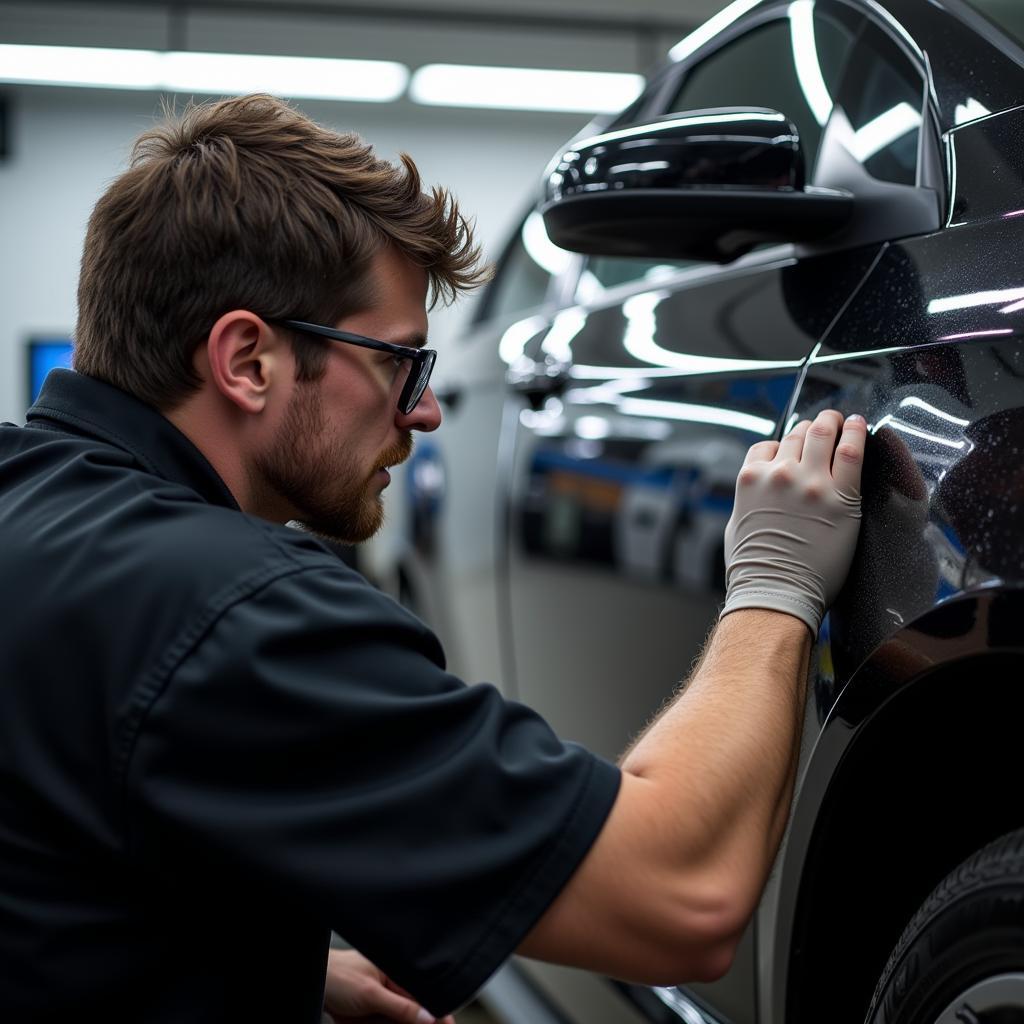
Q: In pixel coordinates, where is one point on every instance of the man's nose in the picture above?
(426, 416)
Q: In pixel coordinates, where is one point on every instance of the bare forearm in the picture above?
(721, 759)
(706, 790)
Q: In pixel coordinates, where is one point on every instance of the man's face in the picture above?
(327, 466)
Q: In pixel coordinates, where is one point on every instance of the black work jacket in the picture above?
(218, 743)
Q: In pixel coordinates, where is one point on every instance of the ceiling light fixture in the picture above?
(463, 85)
(373, 81)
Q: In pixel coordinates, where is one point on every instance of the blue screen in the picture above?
(44, 355)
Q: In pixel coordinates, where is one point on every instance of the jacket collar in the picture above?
(97, 409)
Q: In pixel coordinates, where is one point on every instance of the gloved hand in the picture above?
(791, 538)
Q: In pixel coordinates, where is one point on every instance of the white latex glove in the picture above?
(793, 531)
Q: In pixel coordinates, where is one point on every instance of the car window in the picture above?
(792, 65)
(882, 95)
(524, 272)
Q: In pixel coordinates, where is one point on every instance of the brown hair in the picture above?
(248, 204)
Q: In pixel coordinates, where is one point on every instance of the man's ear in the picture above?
(244, 359)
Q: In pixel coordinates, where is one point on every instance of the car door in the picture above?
(444, 561)
(631, 416)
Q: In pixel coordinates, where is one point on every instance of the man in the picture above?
(217, 743)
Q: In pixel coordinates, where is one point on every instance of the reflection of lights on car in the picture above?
(649, 165)
(607, 393)
(976, 334)
(640, 313)
(969, 111)
(920, 403)
(517, 335)
(697, 414)
(972, 299)
(646, 130)
(541, 249)
(842, 356)
(579, 371)
(805, 57)
(905, 428)
(884, 130)
(699, 36)
(564, 328)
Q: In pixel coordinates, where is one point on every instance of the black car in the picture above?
(813, 204)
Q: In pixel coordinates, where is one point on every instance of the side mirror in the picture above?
(706, 185)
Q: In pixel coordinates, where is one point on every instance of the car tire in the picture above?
(961, 958)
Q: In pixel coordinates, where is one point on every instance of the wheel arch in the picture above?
(898, 790)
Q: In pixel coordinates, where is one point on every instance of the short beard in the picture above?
(316, 479)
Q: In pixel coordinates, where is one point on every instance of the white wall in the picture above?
(66, 145)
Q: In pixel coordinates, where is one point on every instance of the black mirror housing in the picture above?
(707, 184)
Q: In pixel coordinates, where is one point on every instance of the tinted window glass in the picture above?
(882, 95)
(787, 65)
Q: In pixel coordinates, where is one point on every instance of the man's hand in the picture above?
(791, 538)
(358, 991)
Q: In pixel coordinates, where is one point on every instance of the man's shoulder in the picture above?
(230, 545)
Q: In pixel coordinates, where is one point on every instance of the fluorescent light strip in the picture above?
(463, 85)
(214, 73)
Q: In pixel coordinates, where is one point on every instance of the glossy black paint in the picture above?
(984, 161)
(916, 768)
(706, 185)
(726, 146)
(930, 349)
(970, 62)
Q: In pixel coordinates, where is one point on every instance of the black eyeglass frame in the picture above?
(422, 358)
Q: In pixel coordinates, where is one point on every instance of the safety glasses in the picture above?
(421, 360)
